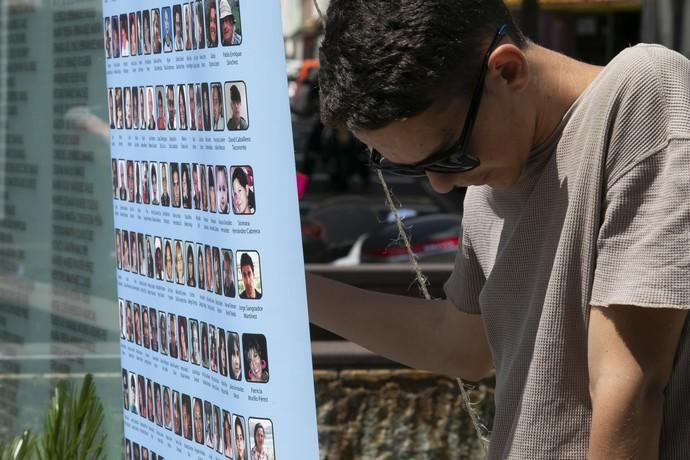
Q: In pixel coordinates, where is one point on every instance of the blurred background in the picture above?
(58, 315)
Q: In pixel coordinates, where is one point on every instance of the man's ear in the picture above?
(508, 63)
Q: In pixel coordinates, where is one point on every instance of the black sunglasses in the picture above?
(455, 159)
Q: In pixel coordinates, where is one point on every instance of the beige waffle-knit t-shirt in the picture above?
(600, 216)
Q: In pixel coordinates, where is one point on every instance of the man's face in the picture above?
(171, 105)
(227, 28)
(195, 180)
(247, 277)
(500, 117)
(235, 106)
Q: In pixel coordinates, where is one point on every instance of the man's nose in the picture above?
(441, 182)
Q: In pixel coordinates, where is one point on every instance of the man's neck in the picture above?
(556, 83)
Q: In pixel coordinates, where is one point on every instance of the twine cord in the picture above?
(422, 280)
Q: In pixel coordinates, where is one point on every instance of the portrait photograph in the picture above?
(168, 260)
(146, 31)
(200, 268)
(240, 438)
(183, 337)
(179, 262)
(128, 107)
(164, 181)
(178, 38)
(196, 184)
(191, 268)
(115, 36)
(186, 185)
(236, 105)
(177, 414)
(222, 353)
(222, 194)
(107, 42)
(216, 272)
(204, 345)
(124, 36)
(163, 332)
(242, 190)
(125, 389)
(218, 438)
(228, 273)
(161, 120)
(255, 358)
(217, 111)
(211, 23)
(208, 423)
(175, 184)
(249, 275)
(153, 321)
(205, 98)
(187, 416)
(137, 324)
(227, 434)
(167, 409)
(187, 19)
(145, 329)
(199, 111)
(195, 345)
(167, 29)
(172, 339)
(171, 107)
(235, 356)
(156, 35)
(118, 249)
(119, 122)
(158, 257)
(230, 25)
(199, 29)
(133, 35)
(261, 442)
(182, 106)
(204, 187)
(198, 419)
(208, 262)
(213, 347)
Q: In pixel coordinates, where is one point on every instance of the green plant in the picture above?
(71, 431)
(20, 448)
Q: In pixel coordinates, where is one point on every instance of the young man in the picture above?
(572, 279)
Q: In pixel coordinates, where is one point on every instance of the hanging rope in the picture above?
(422, 281)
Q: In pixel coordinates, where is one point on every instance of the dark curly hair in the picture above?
(383, 60)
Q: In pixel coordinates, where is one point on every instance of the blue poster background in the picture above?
(272, 398)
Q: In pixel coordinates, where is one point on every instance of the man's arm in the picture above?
(630, 358)
(424, 334)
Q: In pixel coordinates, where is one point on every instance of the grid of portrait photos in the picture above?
(196, 420)
(181, 27)
(196, 342)
(182, 106)
(191, 264)
(134, 451)
(209, 188)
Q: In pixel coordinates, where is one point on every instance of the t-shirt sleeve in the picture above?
(643, 247)
(466, 281)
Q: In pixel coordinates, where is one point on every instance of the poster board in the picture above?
(211, 298)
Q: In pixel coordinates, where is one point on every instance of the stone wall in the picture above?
(397, 415)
